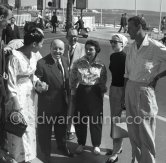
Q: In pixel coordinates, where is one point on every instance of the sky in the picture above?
(152, 5)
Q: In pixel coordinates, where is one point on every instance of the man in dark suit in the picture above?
(53, 103)
(11, 32)
(123, 23)
(54, 21)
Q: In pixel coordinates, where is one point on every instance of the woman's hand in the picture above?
(16, 105)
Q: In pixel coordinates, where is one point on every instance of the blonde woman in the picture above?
(116, 94)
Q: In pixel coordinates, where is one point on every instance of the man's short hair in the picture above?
(138, 21)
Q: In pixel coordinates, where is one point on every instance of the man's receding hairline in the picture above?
(57, 40)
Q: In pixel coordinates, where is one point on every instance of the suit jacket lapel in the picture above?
(66, 68)
(76, 54)
(55, 69)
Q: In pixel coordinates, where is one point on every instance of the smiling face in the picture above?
(57, 49)
(116, 44)
(90, 52)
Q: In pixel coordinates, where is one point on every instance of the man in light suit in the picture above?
(11, 32)
(73, 51)
(52, 103)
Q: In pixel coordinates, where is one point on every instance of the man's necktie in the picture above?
(59, 65)
(71, 53)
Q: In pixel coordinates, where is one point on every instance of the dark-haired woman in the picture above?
(88, 85)
(21, 86)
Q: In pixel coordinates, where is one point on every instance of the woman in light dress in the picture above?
(21, 87)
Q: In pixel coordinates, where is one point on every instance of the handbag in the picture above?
(5, 157)
(15, 124)
(119, 126)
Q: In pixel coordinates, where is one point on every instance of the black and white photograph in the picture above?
(82, 81)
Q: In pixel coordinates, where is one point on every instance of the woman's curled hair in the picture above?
(33, 35)
(93, 43)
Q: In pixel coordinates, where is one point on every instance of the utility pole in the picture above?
(136, 7)
(161, 1)
(101, 17)
(63, 11)
(69, 13)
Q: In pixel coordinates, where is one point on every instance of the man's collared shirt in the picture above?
(143, 64)
(85, 73)
(12, 26)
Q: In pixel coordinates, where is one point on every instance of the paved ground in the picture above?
(88, 156)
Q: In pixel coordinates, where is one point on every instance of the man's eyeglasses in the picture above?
(73, 37)
(114, 42)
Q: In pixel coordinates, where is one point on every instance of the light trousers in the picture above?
(141, 107)
(115, 96)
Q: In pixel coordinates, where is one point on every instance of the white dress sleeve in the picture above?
(13, 69)
(35, 78)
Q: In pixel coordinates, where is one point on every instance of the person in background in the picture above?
(39, 23)
(143, 61)
(11, 32)
(123, 23)
(88, 78)
(80, 24)
(53, 102)
(22, 84)
(73, 51)
(54, 21)
(116, 93)
(5, 15)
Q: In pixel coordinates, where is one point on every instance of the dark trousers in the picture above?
(124, 28)
(54, 28)
(89, 105)
(2, 121)
(45, 132)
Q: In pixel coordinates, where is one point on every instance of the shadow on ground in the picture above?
(86, 157)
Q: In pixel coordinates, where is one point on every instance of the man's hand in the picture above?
(41, 86)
